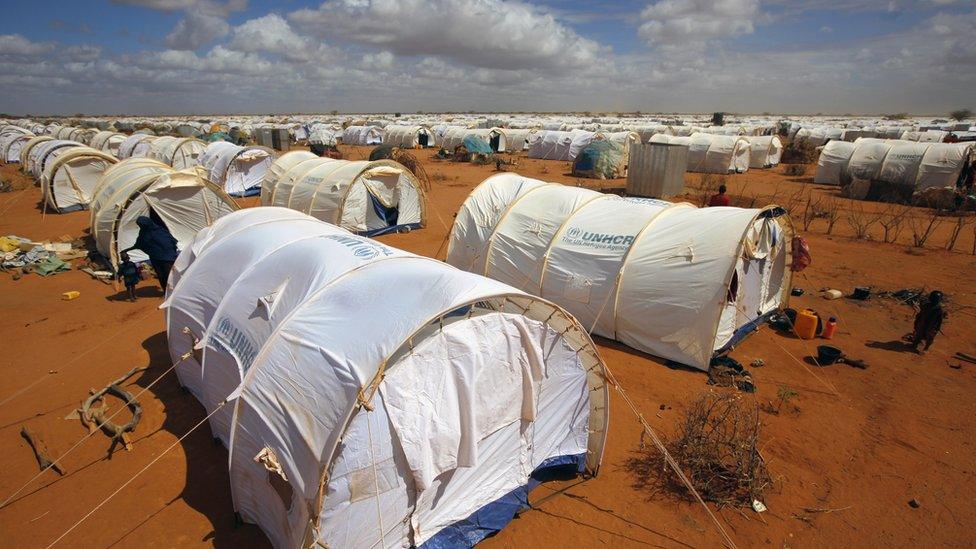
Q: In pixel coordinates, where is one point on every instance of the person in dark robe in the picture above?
(157, 242)
(928, 321)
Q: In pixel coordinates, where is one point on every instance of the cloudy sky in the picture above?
(259, 56)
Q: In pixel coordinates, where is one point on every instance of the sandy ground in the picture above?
(846, 462)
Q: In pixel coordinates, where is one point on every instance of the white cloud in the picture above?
(677, 22)
(482, 33)
(212, 7)
(15, 44)
(197, 29)
(272, 34)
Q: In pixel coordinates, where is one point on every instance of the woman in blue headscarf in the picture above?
(157, 242)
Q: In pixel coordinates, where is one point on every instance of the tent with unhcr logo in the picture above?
(671, 280)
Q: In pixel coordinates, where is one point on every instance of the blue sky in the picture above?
(240, 56)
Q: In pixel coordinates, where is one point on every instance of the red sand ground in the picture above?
(900, 430)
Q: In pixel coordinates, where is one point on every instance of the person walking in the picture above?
(157, 242)
(928, 322)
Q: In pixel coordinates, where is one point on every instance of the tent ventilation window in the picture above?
(733, 287)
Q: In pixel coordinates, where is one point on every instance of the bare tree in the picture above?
(923, 227)
(810, 212)
(861, 220)
(894, 222)
(831, 212)
(961, 222)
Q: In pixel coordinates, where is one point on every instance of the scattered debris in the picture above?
(44, 258)
(914, 504)
(758, 363)
(861, 293)
(758, 506)
(963, 356)
(40, 451)
(68, 296)
(725, 371)
(796, 292)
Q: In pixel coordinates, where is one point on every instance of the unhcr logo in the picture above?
(576, 236)
(361, 247)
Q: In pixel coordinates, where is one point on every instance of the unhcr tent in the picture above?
(238, 170)
(764, 151)
(361, 196)
(408, 137)
(136, 145)
(179, 152)
(362, 135)
(709, 153)
(181, 200)
(69, 179)
(668, 279)
(912, 165)
(369, 397)
(832, 163)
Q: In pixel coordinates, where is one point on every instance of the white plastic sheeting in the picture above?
(346, 193)
(709, 153)
(182, 200)
(239, 170)
(408, 137)
(354, 373)
(69, 178)
(764, 151)
(668, 279)
(179, 152)
(362, 135)
(560, 145)
(906, 163)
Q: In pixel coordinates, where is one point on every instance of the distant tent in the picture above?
(69, 179)
(183, 201)
(11, 144)
(135, 146)
(238, 170)
(362, 135)
(476, 145)
(28, 148)
(560, 145)
(40, 155)
(601, 160)
(832, 163)
(672, 280)
(408, 137)
(107, 141)
(709, 153)
(764, 151)
(388, 399)
(179, 152)
(361, 196)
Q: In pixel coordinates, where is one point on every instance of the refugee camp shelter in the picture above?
(182, 201)
(362, 135)
(375, 398)
(913, 165)
(39, 155)
(107, 141)
(366, 197)
(136, 145)
(69, 178)
(561, 145)
(408, 137)
(12, 143)
(28, 147)
(710, 153)
(764, 151)
(601, 160)
(179, 152)
(668, 279)
(237, 169)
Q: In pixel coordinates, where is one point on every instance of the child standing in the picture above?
(128, 273)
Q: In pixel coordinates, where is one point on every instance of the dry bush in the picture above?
(893, 222)
(810, 212)
(411, 163)
(799, 152)
(923, 227)
(830, 210)
(708, 184)
(795, 170)
(958, 225)
(862, 220)
(717, 448)
(793, 201)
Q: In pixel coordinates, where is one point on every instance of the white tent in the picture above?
(669, 279)
(69, 178)
(375, 398)
(408, 137)
(178, 152)
(905, 163)
(521, 139)
(107, 141)
(361, 196)
(182, 200)
(764, 151)
(239, 170)
(832, 163)
(135, 146)
(43, 152)
(709, 153)
(11, 144)
(560, 145)
(28, 147)
(362, 135)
